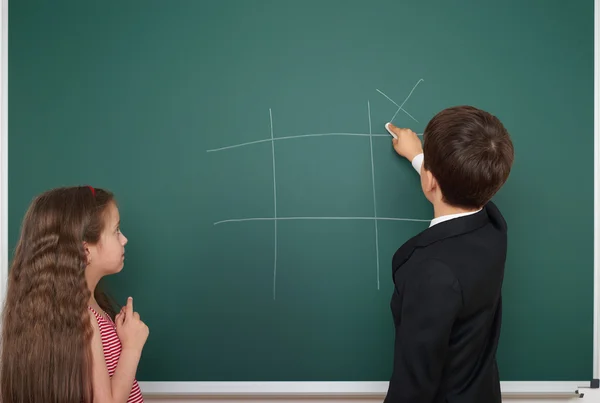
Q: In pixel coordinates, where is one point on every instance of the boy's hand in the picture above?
(407, 144)
(131, 330)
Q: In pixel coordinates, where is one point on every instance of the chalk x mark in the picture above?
(401, 107)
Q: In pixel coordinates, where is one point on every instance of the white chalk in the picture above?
(390, 131)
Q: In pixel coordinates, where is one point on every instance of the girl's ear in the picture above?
(88, 255)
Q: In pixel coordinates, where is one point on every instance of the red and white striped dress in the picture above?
(112, 351)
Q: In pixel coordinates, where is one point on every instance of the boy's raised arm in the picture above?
(408, 145)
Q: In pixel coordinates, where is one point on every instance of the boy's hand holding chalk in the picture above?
(406, 142)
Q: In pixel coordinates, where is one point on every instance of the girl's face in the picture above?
(107, 256)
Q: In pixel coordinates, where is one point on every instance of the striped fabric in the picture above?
(112, 351)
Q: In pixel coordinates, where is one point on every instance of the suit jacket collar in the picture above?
(447, 229)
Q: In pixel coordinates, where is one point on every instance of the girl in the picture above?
(61, 339)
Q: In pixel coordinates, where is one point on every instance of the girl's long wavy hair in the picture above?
(47, 333)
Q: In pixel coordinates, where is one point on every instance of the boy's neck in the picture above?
(442, 209)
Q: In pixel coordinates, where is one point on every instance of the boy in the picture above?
(447, 302)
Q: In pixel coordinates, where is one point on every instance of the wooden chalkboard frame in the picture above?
(323, 389)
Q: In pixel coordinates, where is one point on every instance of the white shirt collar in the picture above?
(443, 218)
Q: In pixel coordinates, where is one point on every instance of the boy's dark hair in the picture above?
(470, 154)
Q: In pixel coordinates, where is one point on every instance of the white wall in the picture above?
(589, 397)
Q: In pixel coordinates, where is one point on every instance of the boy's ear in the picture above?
(434, 183)
(430, 182)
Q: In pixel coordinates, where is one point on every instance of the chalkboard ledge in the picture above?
(337, 389)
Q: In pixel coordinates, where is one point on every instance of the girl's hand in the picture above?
(132, 332)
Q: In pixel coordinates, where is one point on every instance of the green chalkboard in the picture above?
(138, 97)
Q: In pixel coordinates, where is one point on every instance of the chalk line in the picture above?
(374, 196)
(233, 220)
(411, 91)
(411, 116)
(274, 207)
(390, 99)
(295, 137)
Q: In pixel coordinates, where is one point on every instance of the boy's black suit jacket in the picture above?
(447, 310)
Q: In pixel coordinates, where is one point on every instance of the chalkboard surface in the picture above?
(262, 199)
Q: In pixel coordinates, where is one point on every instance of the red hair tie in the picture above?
(93, 190)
